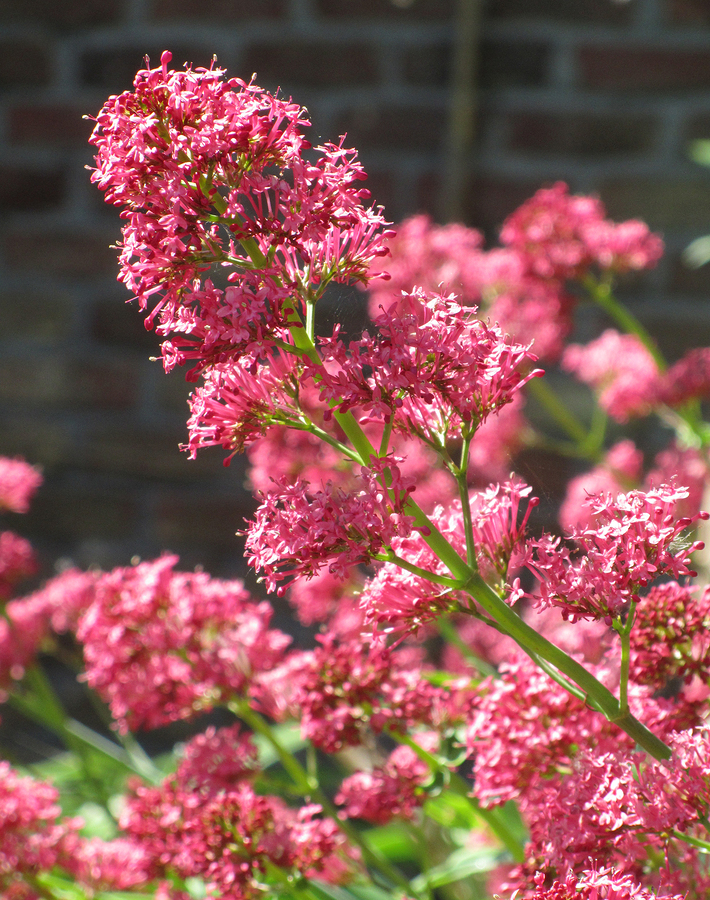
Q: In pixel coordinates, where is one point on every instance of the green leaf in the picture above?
(452, 811)
(393, 841)
(459, 865)
(124, 895)
(699, 152)
(368, 892)
(329, 891)
(97, 821)
(61, 888)
(510, 815)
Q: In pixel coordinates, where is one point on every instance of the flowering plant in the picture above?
(489, 708)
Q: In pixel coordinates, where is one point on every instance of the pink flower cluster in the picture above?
(562, 236)
(18, 483)
(298, 530)
(551, 238)
(620, 369)
(34, 839)
(207, 822)
(161, 645)
(430, 364)
(30, 621)
(630, 543)
(214, 171)
(390, 790)
(398, 598)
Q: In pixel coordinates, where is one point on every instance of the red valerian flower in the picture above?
(17, 561)
(161, 645)
(32, 836)
(604, 884)
(298, 529)
(392, 789)
(631, 541)
(562, 236)
(396, 598)
(622, 372)
(432, 367)
(229, 838)
(212, 172)
(18, 484)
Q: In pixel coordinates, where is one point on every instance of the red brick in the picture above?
(392, 127)
(218, 10)
(312, 64)
(23, 63)
(64, 14)
(580, 134)
(381, 186)
(502, 64)
(34, 318)
(641, 69)
(547, 473)
(113, 71)
(488, 201)
(582, 11)
(404, 10)
(50, 125)
(67, 254)
(688, 12)
(664, 203)
(23, 189)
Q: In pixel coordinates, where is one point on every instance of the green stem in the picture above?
(310, 787)
(547, 398)
(600, 291)
(694, 842)
(529, 639)
(462, 484)
(624, 632)
(443, 580)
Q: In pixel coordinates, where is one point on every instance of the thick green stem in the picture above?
(694, 842)
(462, 484)
(625, 636)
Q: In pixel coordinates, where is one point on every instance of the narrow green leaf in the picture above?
(459, 865)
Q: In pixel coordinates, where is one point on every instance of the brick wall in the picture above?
(603, 94)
